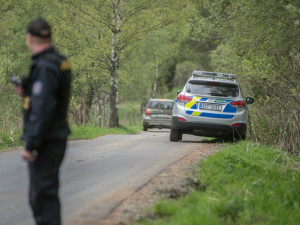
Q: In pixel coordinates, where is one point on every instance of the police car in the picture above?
(211, 104)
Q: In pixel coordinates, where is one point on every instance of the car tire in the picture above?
(175, 135)
(145, 128)
(180, 136)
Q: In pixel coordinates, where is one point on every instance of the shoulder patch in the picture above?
(65, 65)
(37, 87)
(26, 103)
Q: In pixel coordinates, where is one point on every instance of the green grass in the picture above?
(78, 132)
(8, 140)
(246, 184)
(88, 131)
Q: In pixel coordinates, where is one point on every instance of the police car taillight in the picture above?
(181, 119)
(147, 111)
(238, 104)
(184, 98)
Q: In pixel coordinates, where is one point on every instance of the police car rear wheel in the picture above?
(180, 136)
(175, 135)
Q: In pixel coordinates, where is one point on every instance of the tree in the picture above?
(259, 41)
(126, 23)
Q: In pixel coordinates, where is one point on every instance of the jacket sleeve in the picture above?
(43, 104)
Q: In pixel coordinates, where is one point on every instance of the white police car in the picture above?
(211, 104)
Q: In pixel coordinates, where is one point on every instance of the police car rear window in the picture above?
(160, 105)
(212, 88)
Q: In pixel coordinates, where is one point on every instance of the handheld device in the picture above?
(15, 80)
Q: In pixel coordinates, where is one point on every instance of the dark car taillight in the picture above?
(238, 104)
(147, 111)
(184, 98)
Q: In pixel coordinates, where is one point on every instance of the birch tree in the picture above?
(126, 23)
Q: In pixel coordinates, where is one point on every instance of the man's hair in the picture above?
(39, 28)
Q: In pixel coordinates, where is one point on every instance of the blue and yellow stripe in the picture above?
(192, 105)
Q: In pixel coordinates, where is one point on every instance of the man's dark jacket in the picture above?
(47, 91)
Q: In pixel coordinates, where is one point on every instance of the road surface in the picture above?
(97, 175)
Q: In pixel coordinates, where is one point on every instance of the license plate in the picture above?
(214, 107)
(161, 115)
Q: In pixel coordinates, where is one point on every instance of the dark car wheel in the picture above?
(180, 136)
(145, 128)
(175, 135)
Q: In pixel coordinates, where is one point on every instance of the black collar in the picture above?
(44, 52)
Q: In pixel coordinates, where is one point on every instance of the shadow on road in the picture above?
(159, 131)
(209, 141)
(216, 140)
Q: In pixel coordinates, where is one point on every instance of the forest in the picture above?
(133, 50)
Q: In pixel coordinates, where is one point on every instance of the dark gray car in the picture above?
(158, 114)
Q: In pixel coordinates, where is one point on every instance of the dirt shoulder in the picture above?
(172, 183)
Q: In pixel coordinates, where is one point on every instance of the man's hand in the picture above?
(19, 90)
(27, 156)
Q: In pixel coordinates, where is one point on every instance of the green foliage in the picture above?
(161, 42)
(100, 38)
(246, 184)
(10, 140)
(260, 43)
(183, 72)
(173, 93)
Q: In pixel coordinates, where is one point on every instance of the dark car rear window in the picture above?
(212, 88)
(160, 105)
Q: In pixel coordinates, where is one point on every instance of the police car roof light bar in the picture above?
(214, 75)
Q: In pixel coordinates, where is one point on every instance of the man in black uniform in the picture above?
(46, 96)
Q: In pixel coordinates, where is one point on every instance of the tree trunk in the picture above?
(130, 118)
(88, 104)
(134, 117)
(124, 118)
(116, 7)
(155, 81)
(97, 118)
(96, 115)
(80, 116)
(105, 111)
(100, 114)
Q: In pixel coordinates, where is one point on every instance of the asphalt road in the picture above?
(96, 174)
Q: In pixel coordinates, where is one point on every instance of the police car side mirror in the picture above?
(249, 100)
(178, 92)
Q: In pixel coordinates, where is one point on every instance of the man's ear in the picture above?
(28, 39)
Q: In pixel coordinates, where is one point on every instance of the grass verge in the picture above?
(78, 132)
(245, 183)
(89, 131)
(8, 140)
